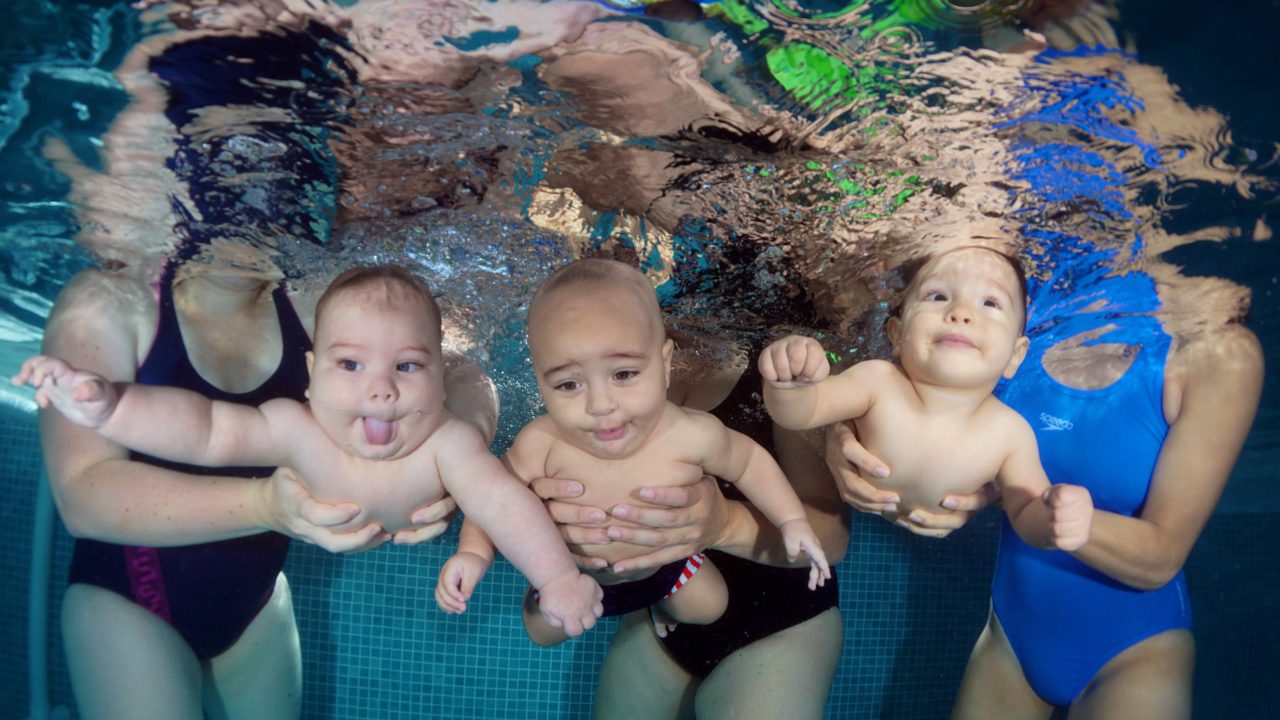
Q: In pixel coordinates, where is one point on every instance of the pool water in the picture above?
(887, 128)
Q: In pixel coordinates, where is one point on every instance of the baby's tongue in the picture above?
(377, 432)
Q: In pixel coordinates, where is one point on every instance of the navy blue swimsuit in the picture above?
(209, 592)
(763, 599)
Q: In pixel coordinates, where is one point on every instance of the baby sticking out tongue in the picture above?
(378, 432)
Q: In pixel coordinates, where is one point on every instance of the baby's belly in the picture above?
(925, 493)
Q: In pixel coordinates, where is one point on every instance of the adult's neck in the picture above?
(221, 294)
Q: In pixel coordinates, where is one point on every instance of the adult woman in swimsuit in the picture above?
(177, 606)
(1155, 436)
(1137, 414)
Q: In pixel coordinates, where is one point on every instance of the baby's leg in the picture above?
(537, 627)
(700, 601)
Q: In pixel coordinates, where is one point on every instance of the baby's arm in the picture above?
(528, 451)
(738, 459)
(513, 517)
(801, 394)
(1044, 516)
(169, 423)
(462, 572)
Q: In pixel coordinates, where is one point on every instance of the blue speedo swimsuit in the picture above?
(209, 592)
(1065, 620)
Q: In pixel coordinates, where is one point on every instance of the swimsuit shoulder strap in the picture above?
(293, 334)
(168, 351)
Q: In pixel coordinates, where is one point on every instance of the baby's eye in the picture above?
(406, 367)
(991, 303)
(625, 375)
(935, 296)
(349, 365)
(567, 386)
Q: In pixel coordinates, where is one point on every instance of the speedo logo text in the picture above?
(1055, 423)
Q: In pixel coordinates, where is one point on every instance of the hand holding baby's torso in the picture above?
(387, 491)
(664, 461)
(933, 455)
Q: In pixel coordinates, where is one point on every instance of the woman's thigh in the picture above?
(638, 679)
(261, 675)
(994, 685)
(1149, 681)
(786, 675)
(124, 661)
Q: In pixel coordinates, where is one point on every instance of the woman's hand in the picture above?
(579, 524)
(429, 521)
(845, 455)
(677, 521)
(292, 510)
(956, 510)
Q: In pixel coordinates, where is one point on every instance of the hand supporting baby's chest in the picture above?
(930, 460)
(607, 483)
(387, 491)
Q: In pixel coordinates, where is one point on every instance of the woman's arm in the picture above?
(1212, 388)
(748, 534)
(102, 494)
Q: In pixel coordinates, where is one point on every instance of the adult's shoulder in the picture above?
(115, 310)
(1226, 360)
(105, 293)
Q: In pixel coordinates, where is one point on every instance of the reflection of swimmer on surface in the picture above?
(374, 428)
(958, 330)
(602, 361)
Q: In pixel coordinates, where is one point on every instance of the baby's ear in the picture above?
(1019, 354)
(893, 326)
(311, 362)
(668, 349)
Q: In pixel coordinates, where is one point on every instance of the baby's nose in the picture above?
(382, 390)
(600, 402)
(960, 314)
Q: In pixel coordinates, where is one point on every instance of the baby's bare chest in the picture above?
(609, 482)
(387, 491)
(932, 457)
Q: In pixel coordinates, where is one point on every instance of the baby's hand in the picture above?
(571, 602)
(458, 579)
(86, 399)
(1070, 515)
(794, 359)
(798, 536)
